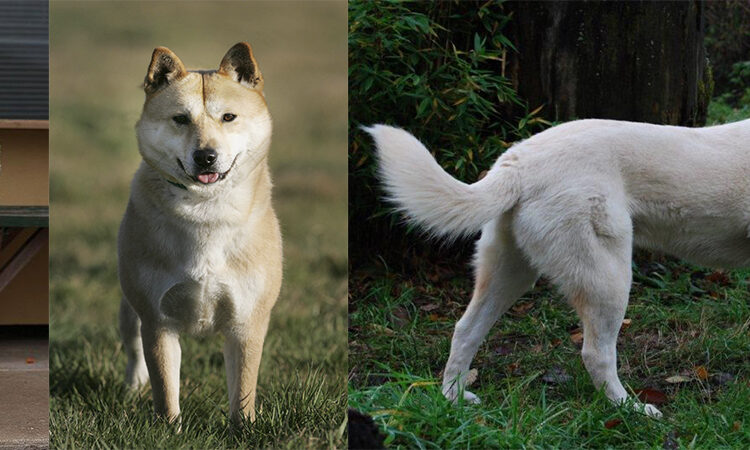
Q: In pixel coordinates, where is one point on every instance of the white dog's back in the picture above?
(687, 190)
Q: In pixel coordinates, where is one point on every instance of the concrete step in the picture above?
(24, 393)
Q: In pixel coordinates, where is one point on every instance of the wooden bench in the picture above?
(13, 219)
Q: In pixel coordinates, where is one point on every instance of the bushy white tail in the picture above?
(420, 188)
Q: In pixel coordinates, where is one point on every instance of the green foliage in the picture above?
(727, 39)
(734, 103)
(728, 46)
(739, 83)
(436, 69)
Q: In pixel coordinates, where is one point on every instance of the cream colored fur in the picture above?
(570, 203)
(199, 258)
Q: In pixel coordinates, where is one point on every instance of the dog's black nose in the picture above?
(205, 157)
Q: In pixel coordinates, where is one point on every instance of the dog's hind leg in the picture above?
(502, 275)
(602, 309)
(136, 372)
(587, 253)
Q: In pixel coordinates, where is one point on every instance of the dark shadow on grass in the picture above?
(71, 376)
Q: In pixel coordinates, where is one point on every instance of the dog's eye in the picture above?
(181, 119)
(228, 117)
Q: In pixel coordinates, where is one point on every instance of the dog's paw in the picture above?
(135, 380)
(651, 411)
(471, 398)
(648, 409)
(452, 395)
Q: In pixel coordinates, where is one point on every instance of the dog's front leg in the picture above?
(162, 351)
(242, 352)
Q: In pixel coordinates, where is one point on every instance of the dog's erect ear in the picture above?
(165, 68)
(240, 65)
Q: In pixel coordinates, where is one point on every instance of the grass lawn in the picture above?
(682, 318)
(687, 324)
(100, 52)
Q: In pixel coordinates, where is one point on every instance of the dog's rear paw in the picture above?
(649, 409)
(471, 398)
(452, 395)
(135, 379)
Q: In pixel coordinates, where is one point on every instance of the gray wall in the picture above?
(24, 59)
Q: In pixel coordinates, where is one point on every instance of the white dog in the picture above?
(570, 203)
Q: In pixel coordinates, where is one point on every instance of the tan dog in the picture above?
(199, 246)
(570, 203)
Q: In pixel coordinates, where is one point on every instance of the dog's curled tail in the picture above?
(420, 188)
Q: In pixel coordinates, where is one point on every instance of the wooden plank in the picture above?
(13, 240)
(6, 237)
(25, 254)
(23, 124)
(24, 216)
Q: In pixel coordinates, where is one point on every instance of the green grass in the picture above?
(99, 57)
(680, 320)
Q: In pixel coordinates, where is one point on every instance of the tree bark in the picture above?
(641, 61)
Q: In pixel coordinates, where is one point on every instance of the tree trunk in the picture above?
(639, 61)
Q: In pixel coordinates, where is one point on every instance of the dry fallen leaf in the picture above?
(503, 350)
(612, 423)
(651, 396)
(576, 336)
(719, 278)
(471, 377)
(399, 317)
(678, 379)
(522, 308)
(625, 324)
(737, 425)
(701, 373)
(380, 329)
(556, 375)
(429, 307)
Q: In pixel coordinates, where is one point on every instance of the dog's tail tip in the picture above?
(375, 130)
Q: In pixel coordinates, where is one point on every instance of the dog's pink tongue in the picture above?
(208, 178)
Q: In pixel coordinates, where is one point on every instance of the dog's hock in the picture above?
(165, 68)
(240, 65)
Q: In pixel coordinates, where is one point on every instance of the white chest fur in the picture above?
(186, 276)
(202, 292)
